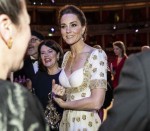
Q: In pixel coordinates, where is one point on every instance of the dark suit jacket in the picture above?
(131, 109)
(27, 70)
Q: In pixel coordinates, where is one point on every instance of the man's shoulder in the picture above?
(140, 61)
(27, 60)
(142, 56)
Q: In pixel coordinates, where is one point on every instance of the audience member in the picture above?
(130, 111)
(83, 78)
(117, 64)
(19, 109)
(30, 67)
(145, 48)
(50, 59)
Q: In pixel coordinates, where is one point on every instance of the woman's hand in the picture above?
(57, 89)
(60, 102)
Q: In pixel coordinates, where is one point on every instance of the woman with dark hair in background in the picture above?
(19, 109)
(83, 77)
(50, 57)
(117, 64)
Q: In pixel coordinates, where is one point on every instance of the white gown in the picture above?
(78, 86)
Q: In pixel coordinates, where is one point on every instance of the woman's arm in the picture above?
(94, 102)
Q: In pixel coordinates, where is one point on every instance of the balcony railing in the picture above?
(81, 2)
(100, 29)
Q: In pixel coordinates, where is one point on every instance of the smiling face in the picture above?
(48, 57)
(33, 46)
(71, 29)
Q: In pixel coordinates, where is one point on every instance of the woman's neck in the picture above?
(53, 70)
(77, 49)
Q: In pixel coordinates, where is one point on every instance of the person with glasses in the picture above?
(30, 67)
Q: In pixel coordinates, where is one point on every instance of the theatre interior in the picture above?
(108, 21)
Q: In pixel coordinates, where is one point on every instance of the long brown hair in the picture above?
(121, 45)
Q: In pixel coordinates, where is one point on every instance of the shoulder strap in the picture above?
(65, 59)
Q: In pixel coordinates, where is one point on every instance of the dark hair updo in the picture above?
(71, 9)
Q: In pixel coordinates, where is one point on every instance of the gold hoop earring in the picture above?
(9, 43)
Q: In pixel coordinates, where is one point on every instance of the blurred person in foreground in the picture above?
(19, 109)
(130, 111)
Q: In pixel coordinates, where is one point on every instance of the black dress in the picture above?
(43, 86)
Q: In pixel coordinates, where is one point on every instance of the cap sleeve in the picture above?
(98, 62)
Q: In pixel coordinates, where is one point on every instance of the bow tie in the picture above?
(33, 60)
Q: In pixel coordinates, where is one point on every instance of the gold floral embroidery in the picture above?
(94, 57)
(66, 59)
(101, 74)
(83, 86)
(90, 66)
(96, 121)
(87, 76)
(78, 119)
(95, 69)
(102, 63)
(72, 97)
(90, 124)
(100, 50)
(84, 129)
(98, 84)
(68, 124)
(92, 114)
(84, 117)
(73, 119)
(83, 94)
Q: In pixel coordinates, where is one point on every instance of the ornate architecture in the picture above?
(108, 21)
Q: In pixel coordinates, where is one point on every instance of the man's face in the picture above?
(33, 46)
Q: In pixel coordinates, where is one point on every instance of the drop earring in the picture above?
(9, 43)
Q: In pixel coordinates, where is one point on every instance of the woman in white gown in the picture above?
(83, 76)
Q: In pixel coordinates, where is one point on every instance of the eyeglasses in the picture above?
(34, 40)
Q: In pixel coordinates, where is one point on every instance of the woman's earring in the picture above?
(9, 43)
(57, 58)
